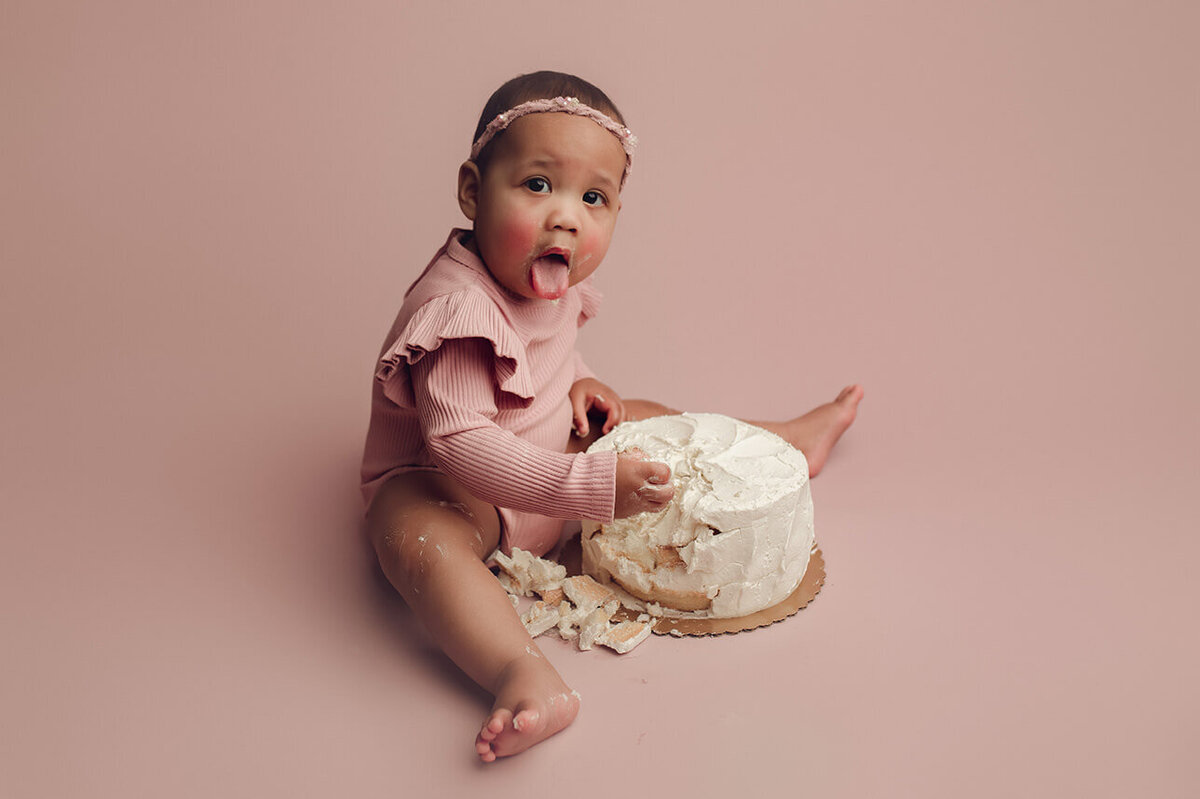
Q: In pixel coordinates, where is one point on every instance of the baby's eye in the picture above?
(594, 198)
(538, 185)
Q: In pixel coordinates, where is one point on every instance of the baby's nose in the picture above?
(562, 218)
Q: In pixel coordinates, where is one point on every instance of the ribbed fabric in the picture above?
(473, 380)
(457, 407)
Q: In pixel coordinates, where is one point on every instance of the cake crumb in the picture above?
(587, 594)
(566, 630)
(577, 608)
(528, 573)
(625, 635)
(539, 618)
(593, 628)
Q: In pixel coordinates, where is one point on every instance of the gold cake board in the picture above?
(806, 592)
(810, 586)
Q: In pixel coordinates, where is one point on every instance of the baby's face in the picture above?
(545, 210)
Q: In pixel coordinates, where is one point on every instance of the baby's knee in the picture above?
(412, 546)
(400, 539)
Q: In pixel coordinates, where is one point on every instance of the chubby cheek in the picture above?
(592, 248)
(517, 236)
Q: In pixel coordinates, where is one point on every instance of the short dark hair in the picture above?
(544, 85)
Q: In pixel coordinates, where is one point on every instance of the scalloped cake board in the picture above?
(810, 586)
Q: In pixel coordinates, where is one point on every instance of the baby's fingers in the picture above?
(616, 415)
(654, 472)
(579, 408)
(642, 485)
(655, 495)
(614, 411)
(657, 488)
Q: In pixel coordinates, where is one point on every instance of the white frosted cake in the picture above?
(736, 537)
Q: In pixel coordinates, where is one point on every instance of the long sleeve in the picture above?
(455, 399)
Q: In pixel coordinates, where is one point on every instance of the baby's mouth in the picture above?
(550, 273)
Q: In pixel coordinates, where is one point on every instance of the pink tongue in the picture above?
(550, 278)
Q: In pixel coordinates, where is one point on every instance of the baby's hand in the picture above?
(642, 485)
(589, 393)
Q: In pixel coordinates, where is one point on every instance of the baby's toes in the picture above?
(495, 724)
(526, 720)
(492, 727)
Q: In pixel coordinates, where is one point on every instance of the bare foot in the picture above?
(532, 703)
(817, 431)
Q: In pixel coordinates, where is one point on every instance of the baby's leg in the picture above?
(432, 537)
(817, 431)
(814, 433)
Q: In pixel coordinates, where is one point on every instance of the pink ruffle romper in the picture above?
(473, 381)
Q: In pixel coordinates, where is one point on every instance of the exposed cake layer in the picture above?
(736, 537)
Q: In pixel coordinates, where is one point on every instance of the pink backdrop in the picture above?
(984, 212)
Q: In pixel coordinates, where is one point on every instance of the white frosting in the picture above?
(737, 533)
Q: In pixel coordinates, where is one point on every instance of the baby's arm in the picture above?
(453, 388)
(641, 485)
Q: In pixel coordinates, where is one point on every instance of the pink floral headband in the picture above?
(565, 105)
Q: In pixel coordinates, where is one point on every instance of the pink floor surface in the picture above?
(985, 213)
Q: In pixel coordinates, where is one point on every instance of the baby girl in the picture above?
(482, 407)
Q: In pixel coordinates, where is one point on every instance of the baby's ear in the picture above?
(469, 181)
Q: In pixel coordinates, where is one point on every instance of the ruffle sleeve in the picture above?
(589, 297)
(460, 315)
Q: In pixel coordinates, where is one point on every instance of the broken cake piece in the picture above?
(625, 635)
(593, 627)
(528, 573)
(577, 608)
(587, 594)
(539, 618)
